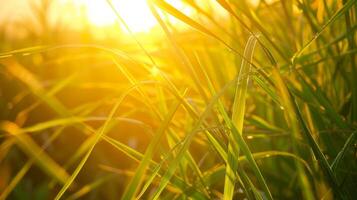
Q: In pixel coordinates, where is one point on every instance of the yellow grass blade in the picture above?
(29, 147)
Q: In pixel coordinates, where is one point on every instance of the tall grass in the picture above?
(257, 102)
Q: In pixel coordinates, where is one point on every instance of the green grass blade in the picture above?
(99, 134)
(288, 107)
(30, 147)
(320, 156)
(16, 180)
(348, 144)
(91, 186)
(185, 144)
(135, 182)
(340, 12)
(238, 111)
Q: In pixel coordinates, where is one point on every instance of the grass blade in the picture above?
(340, 12)
(29, 146)
(238, 118)
(135, 182)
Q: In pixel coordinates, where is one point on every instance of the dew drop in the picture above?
(322, 108)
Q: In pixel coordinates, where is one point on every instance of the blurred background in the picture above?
(65, 67)
(64, 64)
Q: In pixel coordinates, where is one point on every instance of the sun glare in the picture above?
(136, 14)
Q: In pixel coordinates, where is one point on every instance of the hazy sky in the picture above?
(13, 9)
(17, 16)
(22, 12)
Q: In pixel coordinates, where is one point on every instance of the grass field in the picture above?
(190, 99)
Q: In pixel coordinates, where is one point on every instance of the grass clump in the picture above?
(232, 100)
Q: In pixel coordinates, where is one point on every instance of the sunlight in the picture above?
(136, 14)
(178, 99)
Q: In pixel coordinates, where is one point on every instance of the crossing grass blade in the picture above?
(238, 111)
(33, 84)
(239, 143)
(17, 178)
(97, 138)
(348, 145)
(184, 146)
(290, 117)
(179, 15)
(339, 13)
(32, 149)
(26, 167)
(319, 155)
(277, 125)
(135, 182)
(91, 186)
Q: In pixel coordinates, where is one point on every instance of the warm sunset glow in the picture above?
(178, 99)
(136, 14)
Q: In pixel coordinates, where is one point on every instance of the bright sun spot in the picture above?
(136, 13)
